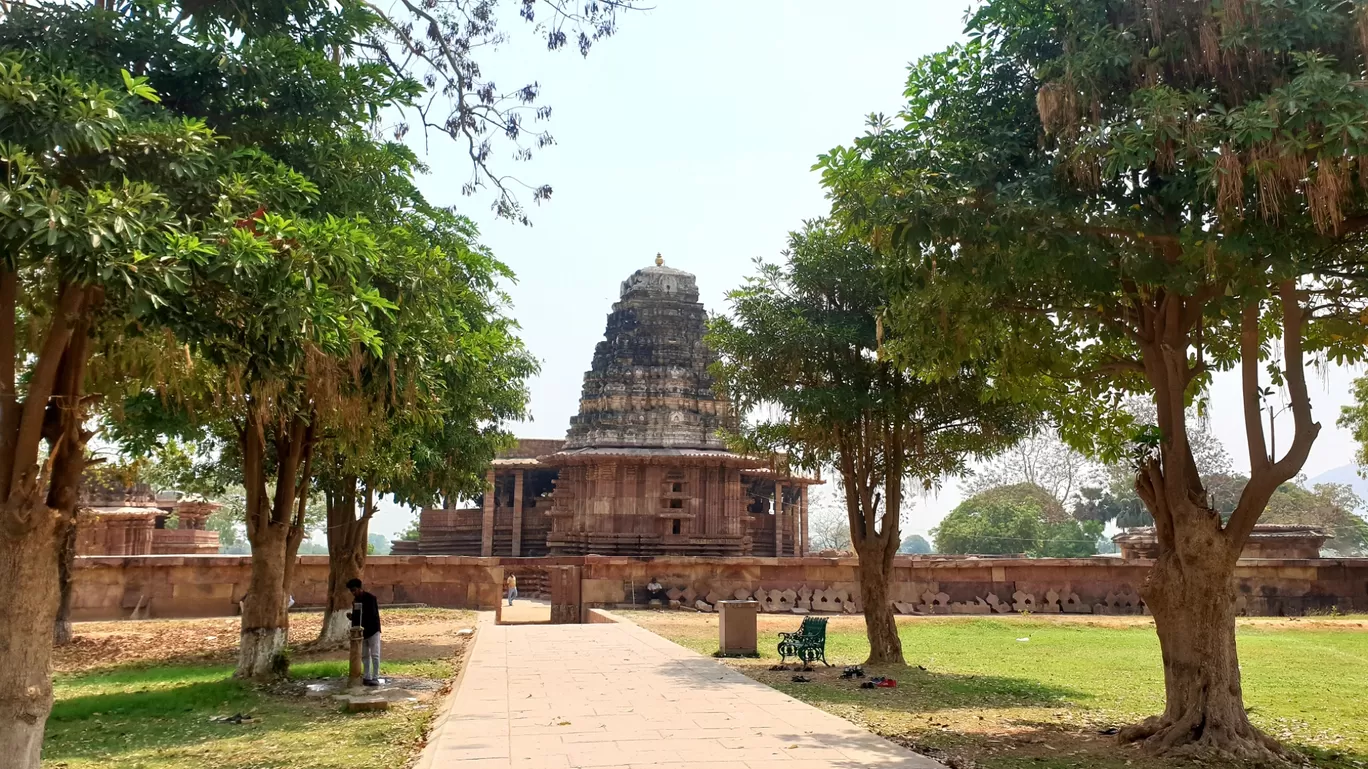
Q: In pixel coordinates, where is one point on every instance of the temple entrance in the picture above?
(547, 595)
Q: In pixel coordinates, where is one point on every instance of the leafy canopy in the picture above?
(1015, 519)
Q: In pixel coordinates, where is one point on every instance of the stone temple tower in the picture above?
(645, 468)
(649, 386)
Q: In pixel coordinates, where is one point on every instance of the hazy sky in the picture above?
(692, 133)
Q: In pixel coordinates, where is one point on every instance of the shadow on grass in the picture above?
(160, 716)
(920, 690)
(165, 708)
(917, 690)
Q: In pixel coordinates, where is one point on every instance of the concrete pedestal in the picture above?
(736, 631)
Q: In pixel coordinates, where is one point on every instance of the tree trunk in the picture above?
(345, 563)
(347, 545)
(1193, 604)
(275, 524)
(62, 633)
(346, 557)
(885, 647)
(28, 570)
(265, 623)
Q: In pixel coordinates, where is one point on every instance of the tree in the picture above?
(807, 337)
(1102, 198)
(93, 217)
(828, 523)
(451, 375)
(1042, 460)
(1354, 418)
(1022, 519)
(915, 544)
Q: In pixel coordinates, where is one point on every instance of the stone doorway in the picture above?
(551, 596)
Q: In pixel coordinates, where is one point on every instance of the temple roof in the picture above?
(648, 386)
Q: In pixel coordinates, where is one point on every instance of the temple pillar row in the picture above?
(487, 519)
(517, 512)
(778, 520)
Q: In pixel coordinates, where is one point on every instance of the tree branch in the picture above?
(41, 383)
(1250, 353)
(1267, 476)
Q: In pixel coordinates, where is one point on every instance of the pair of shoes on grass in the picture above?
(370, 682)
(879, 683)
(801, 680)
(853, 671)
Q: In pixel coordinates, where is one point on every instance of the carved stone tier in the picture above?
(648, 385)
(116, 530)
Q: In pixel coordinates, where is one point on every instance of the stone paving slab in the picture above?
(618, 696)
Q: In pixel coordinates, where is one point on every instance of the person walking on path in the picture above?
(370, 631)
(511, 588)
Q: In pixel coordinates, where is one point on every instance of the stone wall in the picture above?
(196, 586)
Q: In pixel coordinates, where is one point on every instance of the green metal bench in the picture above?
(808, 643)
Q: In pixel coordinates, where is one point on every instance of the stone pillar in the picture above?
(487, 520)
(778, 520)
(803, 521)
(517, 512)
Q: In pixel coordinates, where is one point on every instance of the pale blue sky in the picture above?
(692, 133)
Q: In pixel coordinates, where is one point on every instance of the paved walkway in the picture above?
(615, 695)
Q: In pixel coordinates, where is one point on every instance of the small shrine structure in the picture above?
(116, 518)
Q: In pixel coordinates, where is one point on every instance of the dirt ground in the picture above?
(410, 634)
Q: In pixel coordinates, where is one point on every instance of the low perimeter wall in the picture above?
(107, 587)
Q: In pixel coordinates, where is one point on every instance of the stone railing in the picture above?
(184, 542)
(210, 585)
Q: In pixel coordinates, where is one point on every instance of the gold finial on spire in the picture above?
(660, 260)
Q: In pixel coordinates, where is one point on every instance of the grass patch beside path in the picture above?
(140, 716)
(1003, 703)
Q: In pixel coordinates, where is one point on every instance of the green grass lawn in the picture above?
(1004, 702)
(160, 717)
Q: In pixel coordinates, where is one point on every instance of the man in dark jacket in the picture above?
(370, 630)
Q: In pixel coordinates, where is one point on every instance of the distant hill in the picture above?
(1347, 475)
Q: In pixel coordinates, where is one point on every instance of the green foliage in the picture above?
(915, 544)
(806, 340)
(410, 534)
(1015, 519)
(345, 299)
(1354, 418)
(1094, 199)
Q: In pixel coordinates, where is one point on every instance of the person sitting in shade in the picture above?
(370, 631)
(655, 590)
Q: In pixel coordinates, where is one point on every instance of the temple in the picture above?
(114, 518)
(644, 469)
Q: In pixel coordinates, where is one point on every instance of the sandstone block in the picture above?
(366, 704)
